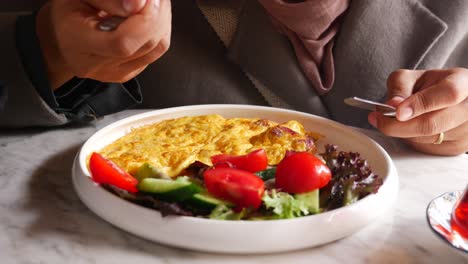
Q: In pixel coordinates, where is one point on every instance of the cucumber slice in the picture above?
(267, 174)
(311, 200)
(149, 171)
(206, 201)
(170, 190)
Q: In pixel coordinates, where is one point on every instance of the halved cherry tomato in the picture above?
(240, 187)
(106, 171)
(253, 162)
(301, 172)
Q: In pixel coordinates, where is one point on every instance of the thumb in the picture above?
(121, 8)
(401, 84)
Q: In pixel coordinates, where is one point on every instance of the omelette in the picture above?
(173, 145)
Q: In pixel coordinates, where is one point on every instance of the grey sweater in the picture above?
(376, 37)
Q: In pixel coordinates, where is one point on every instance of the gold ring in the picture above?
(440, 138)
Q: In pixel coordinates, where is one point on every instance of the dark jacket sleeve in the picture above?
(3, 96)
(26, 98)
(22, 104)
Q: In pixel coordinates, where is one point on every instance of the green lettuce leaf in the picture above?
(223, 212)
(284, 205)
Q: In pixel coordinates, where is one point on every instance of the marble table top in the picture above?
(43, 221)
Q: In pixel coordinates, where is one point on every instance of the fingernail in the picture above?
(372, 118)
(132, 6)
(395, 100)
(156, 3)
(404, 113)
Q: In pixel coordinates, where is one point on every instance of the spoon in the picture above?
(385, 109)
(439, 217)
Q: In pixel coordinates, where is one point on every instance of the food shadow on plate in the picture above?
(59, 213)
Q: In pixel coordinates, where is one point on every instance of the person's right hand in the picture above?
(73, 45)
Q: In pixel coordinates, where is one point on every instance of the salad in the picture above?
(245, 187)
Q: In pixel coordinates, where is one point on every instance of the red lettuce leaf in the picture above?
(166, 208)
(352, 179)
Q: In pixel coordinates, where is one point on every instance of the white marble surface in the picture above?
(43, 221)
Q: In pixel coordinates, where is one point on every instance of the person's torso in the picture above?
(375, 38)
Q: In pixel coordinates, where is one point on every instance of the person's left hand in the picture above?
(428, 103)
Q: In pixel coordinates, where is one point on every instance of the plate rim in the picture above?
(215, 242)
(392, 172)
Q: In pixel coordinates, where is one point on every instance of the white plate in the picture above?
(239, 236)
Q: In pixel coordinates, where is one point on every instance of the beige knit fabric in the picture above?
(223, 15)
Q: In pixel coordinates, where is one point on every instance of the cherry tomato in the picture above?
(240, 187)
(106, 171)
(253, 162)
(301, 172)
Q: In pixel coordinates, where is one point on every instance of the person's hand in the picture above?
(428, 103)
(73, 45)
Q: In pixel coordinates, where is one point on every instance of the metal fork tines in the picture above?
(386, 110)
